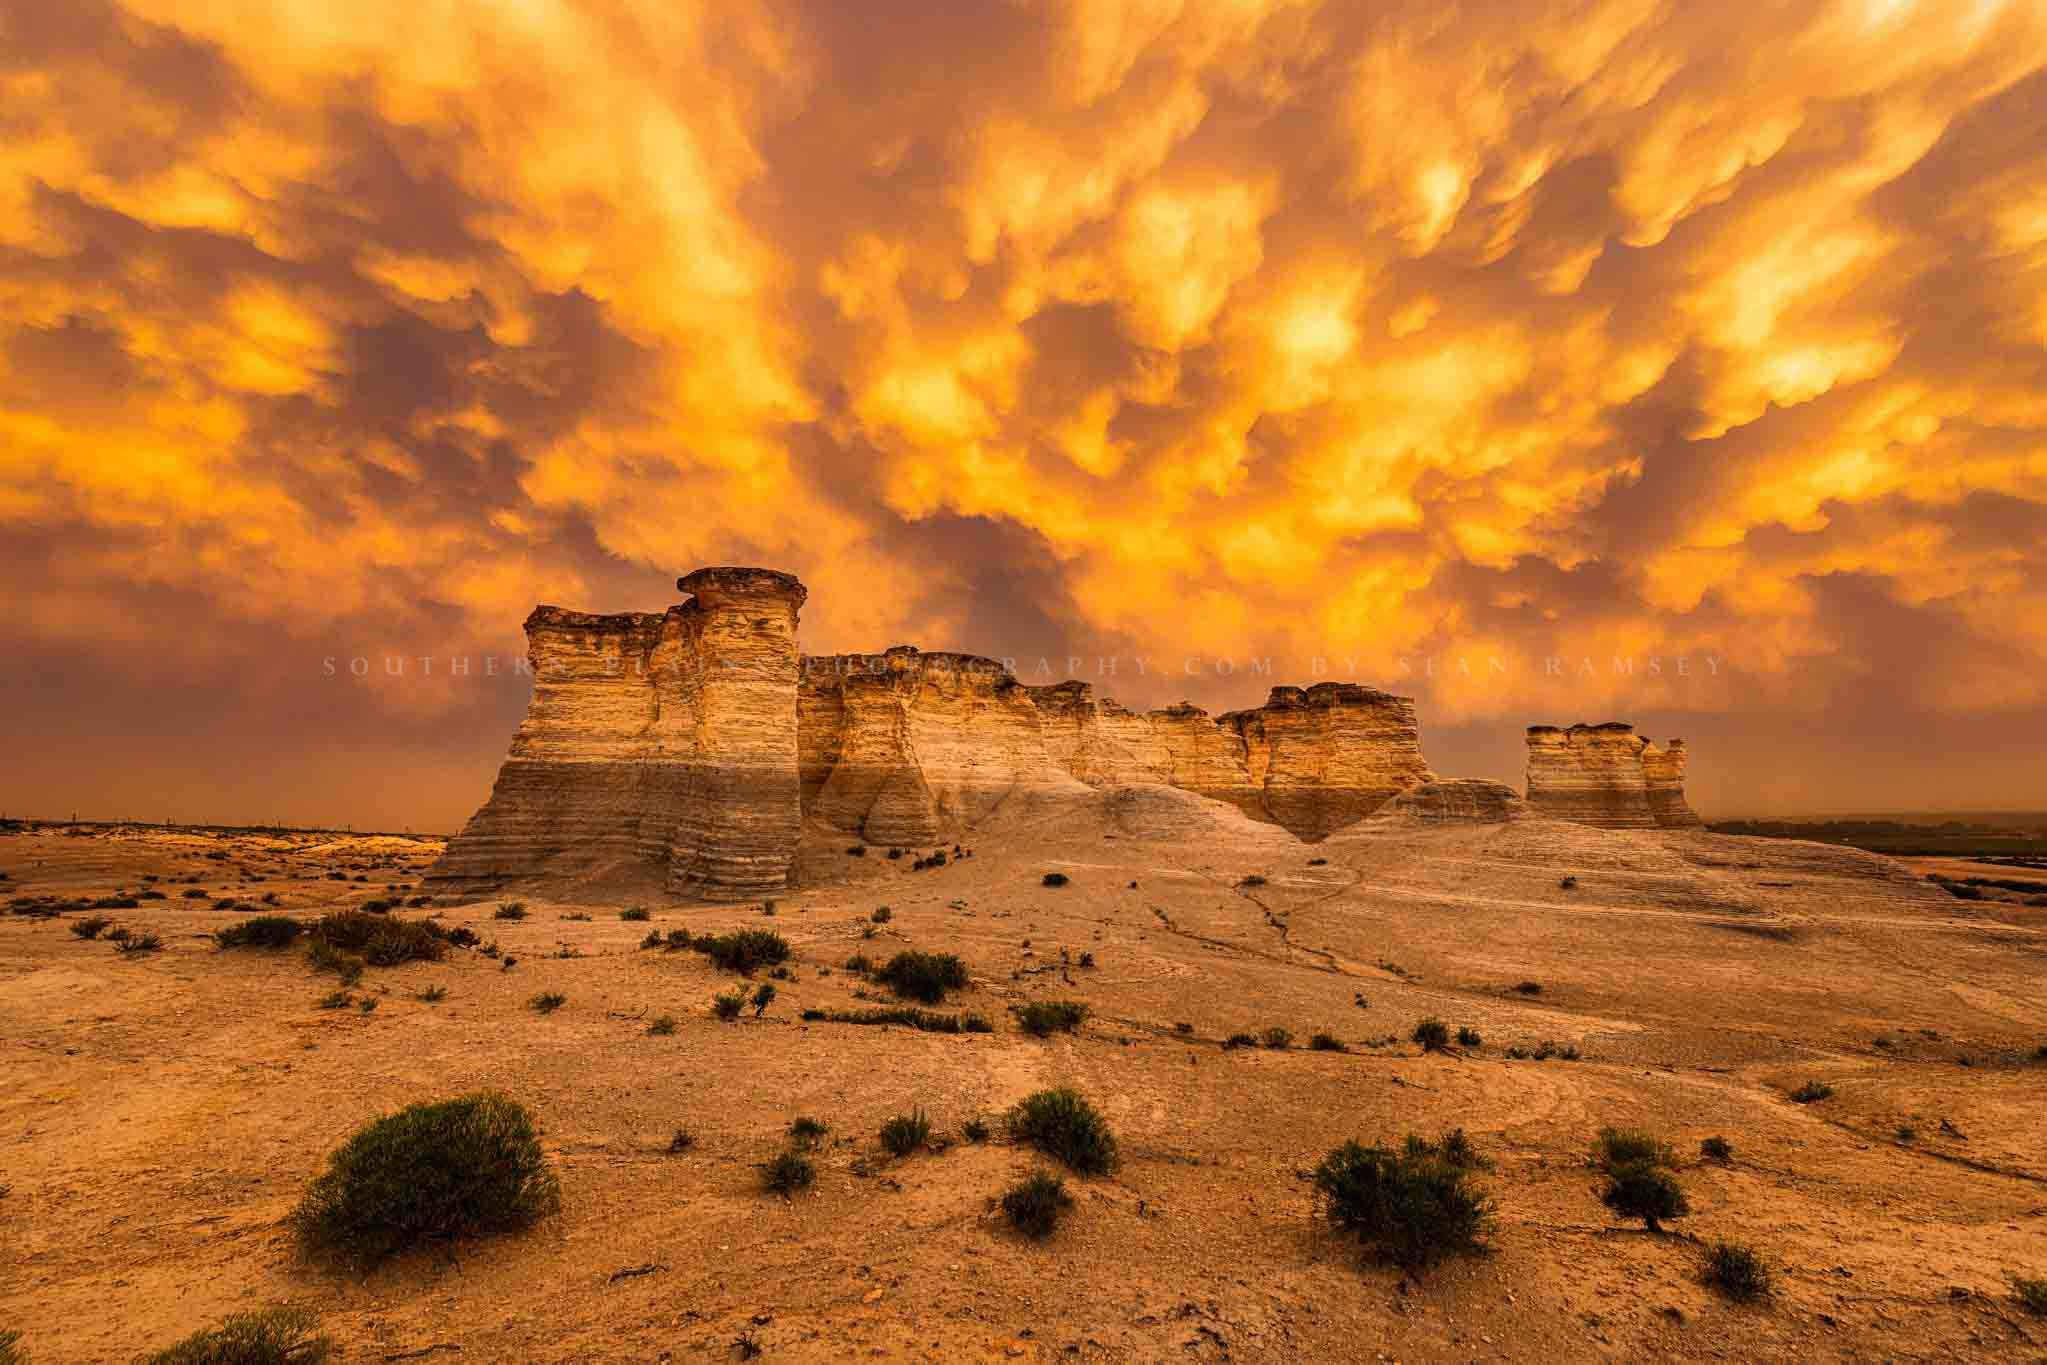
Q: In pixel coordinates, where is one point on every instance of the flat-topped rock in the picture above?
(1606, 775)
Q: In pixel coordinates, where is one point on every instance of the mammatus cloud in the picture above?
(1491, 335)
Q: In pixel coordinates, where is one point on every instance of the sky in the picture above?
(1668, 362)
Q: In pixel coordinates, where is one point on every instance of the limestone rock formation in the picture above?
(1206, 758)
(1606, 775)
(658, 752)
(1330, 755)
(1098, 741)
(1663, 774)
(1462, 800)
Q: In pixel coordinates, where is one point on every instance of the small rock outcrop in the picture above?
(1606, 775)
(1456, 801)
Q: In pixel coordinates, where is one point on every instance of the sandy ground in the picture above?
(159, 1115)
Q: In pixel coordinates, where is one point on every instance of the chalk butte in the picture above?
(1097, 741)
(1327, 756)
(1606, 775)
(658, 751)
(1663, 776)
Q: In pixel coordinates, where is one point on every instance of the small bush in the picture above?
(1469, 1037)
(1530, 988)
(1646, 1191)
(745, 949)
(91, 926)
(1237, 1040)
(1278, 1039)
(1086, 960)
(1413, 1207)
(1033, 1204)
(905, 1133)
(677, 940)
(380, 940)
(924, 976)
(2030, 1294)
(805, 1131)
(1042, 1018)
(264, 931)
(857, 851)
(1717, 1149)
(728, 1005)
(1326, 1042)
(860, 964)
(432, 995)
(1812, 1091)
(1254, 881)
(510, 910)
(336, 1000)
(652, 940)
(1433, 1034)
(1568, 882)
(682, 1141)
(547, 1002)
(368, 1004)
(277, 1336)
(139, 943)
(788, 1173)
(1063, 1125)
(1618, 1147)
(883, 915)
(662, 1027)
(763, 996)
(975, 1130)
(1736, 1271)
(1055, 879)
(454, 1168)
(636, 915)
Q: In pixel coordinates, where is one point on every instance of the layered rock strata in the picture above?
(1606, 775)
(657, 751)
(1328, 756)
(1456, 801)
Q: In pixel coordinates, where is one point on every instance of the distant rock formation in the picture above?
(684, 752)
(1606, 775)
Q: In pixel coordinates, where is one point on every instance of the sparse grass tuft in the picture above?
(1433, 1034)
(805, 1131)
(1034, 1204)
(636, 914)
(682, 1141)
(788, 1173)
(1278, 1039)
(510, 910)
(1042, 1018)
(547, 1002)
(905, 1133)
(1737, 1271)
(1530, 988)
(1055, 879)
(1062, 1124)
(662, 1027)
(1413, 1207)
(138, 943)
(1647, 1191)
(336, 1000)
(432, 995)
(924, 977)
(728, 1005)
(975, 1130)
(457, 1167)
(1326, 1042)
(1618, 1147)
(1253, 881)
(2030, 1294)
(276, 1336)
(91, 926)
(1237, 1040)
(380, 940)
(1717, 1149)
(264, 931)
(744, 949)
(1812, 1091)
(1469, 1037)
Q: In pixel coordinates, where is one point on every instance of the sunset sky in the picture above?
(1464, 348)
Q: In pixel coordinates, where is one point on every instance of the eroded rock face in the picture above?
(1462, 800)
(1328, 756)
(657, 753)
(1606, 775)
(1663, 775)
(1097, 741)
(928, 745)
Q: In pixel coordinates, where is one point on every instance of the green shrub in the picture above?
(1237, 1040)
(381, 940)
(975, 1130)
(788, 1173)
(1042, 1018)
(1717, 1149)
(1326, 1042)
(860, 964)
(547, 1002)
(744, 949)
(924, 977)
(1413, 1207)
(510, 910)
(1063, 1125)
(1618, 1147)
(728, 1005)
(927, 1021)
(91, 926)
(1033, 1204)
(264, 931)
(2030, 1294)
(1055, 879)
(1433, 1034)
(138, 943)
(652, 940)
(1646, 1191)
(637, 914)
(456, 1167)
(683, 1140)
(1737, 1271)
(883, 915)
(662, 1027)
(1469, 1037)
(905, 1133)
(277, 1336)
(1811, 1091)
(805, 1131)
(1454, 1148)
(1278, 1039)
(763, 996)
